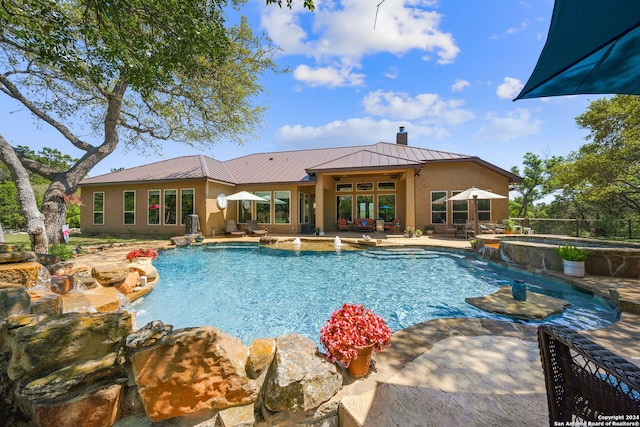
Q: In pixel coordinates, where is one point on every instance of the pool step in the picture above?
(400, 253)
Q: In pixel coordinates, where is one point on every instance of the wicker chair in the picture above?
(585, 381)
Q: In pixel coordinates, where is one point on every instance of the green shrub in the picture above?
(62, 251)
(572, 253)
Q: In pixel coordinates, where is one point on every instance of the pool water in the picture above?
(252, 291)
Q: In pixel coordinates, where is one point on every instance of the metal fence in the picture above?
(610, 229)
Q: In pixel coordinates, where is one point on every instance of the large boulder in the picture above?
(22, 273)
(144, 267)
(45, 302)
(261, 352)
(14, 299)
(299, 379)
(110, 274)
(57, 341)
(190, 371)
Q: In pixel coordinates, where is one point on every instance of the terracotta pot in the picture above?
(359, 367)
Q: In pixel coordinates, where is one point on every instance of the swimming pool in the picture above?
(252, 291)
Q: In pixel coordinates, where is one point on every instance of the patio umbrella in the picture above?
(593, 47)
(245, 195)
(475, 194)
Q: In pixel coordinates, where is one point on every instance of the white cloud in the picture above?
(427, 106)
(459, 84)
(355, 131)
(343, 32)
(509, 89)
(392, 73)
(327, 76)
(516, 124)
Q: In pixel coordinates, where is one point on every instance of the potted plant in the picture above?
(573, 259)
(418, 232)
(409, 231)
(428, 229)
(350, 335)
(510, 226)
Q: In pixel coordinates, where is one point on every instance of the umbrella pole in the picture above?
(475, 216)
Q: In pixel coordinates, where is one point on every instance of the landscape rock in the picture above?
(66, 339)
(98, 407)
(111, 274)
(22, 273)
(17, 256)
(14, 299)
(299, 379)
(261, 352)
(45, 302)
(192, 370)
(148, 335)
(129, 285)
(181, 240)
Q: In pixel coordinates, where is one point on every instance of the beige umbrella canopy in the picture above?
(475, 194)
(245, 195)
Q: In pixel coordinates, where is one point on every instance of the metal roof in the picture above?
(287, 166)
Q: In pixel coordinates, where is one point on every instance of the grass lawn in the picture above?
(77, 239)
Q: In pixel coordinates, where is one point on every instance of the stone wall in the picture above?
(64, 364)
(539, 254)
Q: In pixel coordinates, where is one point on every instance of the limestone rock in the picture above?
(98, 407)
(45, 302)
(129, 285)
(181, 240)
(14, 299)
(22, 273)
(8, 247)
(240, 416)
(112, 274)
(261, 353)
(144, 267)
(76, 302)
(17, 256)
(66, 339)
(69, 267)
(103, 299)
(299, 378)
(192, 370)
(148, 335)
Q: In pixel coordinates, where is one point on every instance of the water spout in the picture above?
(296, 241)
(337, 242)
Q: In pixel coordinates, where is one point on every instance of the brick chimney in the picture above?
(401, 136)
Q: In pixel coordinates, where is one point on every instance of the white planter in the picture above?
(573, 268)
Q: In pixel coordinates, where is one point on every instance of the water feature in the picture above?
(252, 291)
(337, 242)
(297, 241)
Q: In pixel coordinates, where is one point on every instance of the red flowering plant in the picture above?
(139, 253)
(350, 327)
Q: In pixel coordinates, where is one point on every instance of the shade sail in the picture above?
(593, 47)
(245, 195)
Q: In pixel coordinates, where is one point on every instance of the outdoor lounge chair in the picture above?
(232, 228)
(365, 224)
(585, 382)
(252, 224)
(343, 224)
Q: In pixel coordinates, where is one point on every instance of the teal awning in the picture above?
(593, 47)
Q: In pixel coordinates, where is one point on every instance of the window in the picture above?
(344, 187)
(263, 209)
(438, 207)
(386, 186)
(98, 208)
(186, 204)
(345, 207)
(282, 207)
(484, 210)
(129, 204)
(460, 209)
(170, 207)
(365, 207)
(387, 207)
(364, 186)
(153, 207)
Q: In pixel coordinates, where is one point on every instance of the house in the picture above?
(303, 189)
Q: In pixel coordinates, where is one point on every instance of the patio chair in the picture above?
(365, 224)
(585, 381)
(343, 224)
(232, 228)
(252, 224)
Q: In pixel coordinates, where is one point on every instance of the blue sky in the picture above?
(445, 70)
